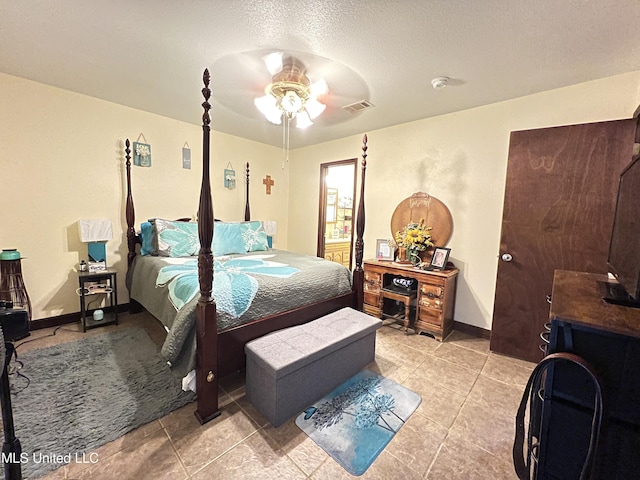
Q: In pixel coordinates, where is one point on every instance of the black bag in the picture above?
(523, 466)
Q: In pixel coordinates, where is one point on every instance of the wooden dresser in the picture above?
(608, 338)
(428, 307)
(338, 251)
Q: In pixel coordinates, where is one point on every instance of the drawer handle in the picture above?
(431, 295)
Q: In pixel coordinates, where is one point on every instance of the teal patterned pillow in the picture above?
(227, 239)
(146, 235)
(254, 237)
(175, 239)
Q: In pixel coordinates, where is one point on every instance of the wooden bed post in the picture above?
(247, 211)
(130, 210)
(358, 272)
(206, 327)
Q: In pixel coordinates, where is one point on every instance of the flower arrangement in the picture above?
(414, 236)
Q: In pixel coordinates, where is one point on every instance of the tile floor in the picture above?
(463, 428)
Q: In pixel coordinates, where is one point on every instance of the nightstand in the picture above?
(98, 283)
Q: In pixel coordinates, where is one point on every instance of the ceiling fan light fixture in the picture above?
(290, 90)
(275, 117)
(314, 108)
(303, 120)
(267, 105)
(291, 103)
(318, 88)
(290, 95)
(273, 62)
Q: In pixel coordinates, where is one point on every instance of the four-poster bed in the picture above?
(219, 350)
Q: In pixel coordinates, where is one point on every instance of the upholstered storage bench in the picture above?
(289, 369)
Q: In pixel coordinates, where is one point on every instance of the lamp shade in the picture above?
(270, 227)
(95, 230)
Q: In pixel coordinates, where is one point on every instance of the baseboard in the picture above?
(75, 317)
(67, 318)
(472, 330)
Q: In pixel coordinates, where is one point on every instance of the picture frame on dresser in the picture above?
(384, 251)
(439, 258)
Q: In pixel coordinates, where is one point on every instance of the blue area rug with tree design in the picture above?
(358, 419)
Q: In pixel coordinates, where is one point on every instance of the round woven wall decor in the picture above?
(433, 211)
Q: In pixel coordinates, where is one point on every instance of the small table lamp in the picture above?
(95, 233)
(270, 228)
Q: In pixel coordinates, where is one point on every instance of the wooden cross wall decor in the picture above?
(269, 183)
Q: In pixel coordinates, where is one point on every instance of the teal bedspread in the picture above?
(246, 287)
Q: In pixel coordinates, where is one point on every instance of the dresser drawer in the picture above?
(428, 302)
(372, 288)
(429, 316)
(373, 311)
(372, 285)
(371, 299)
(372, 278)
(431, 296)
(432, 291)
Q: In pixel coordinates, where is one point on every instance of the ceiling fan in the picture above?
(240, 78)
(290, 95)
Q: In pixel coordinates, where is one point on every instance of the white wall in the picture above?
(62, 159)
(461, 159)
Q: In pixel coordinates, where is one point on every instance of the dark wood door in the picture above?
(558, 214)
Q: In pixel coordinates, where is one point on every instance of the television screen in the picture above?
(624, 249)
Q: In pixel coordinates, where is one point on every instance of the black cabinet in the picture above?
(608, 338)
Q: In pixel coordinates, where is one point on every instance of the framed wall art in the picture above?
(229, 177)
(186, 156)
(141, 154)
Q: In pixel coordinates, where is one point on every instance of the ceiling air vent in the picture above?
(358, 106)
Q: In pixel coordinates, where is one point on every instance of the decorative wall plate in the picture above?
(433, 211)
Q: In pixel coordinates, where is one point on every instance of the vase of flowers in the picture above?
(414, 238)
(413, 254)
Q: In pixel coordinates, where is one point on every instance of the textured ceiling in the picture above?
(150, 55)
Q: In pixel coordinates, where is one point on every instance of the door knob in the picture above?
(507, 257)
